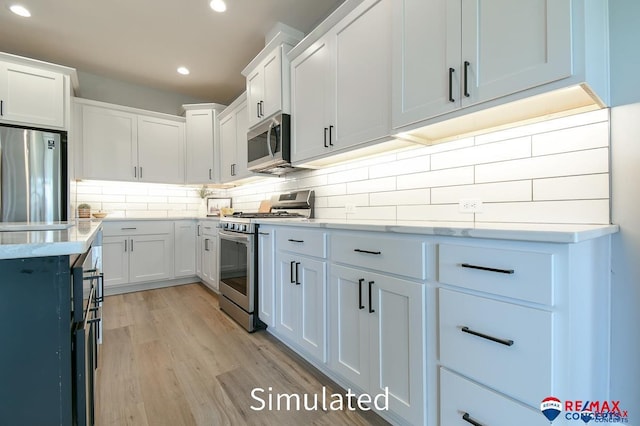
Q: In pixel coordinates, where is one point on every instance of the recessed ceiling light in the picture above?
(183, 70)
(218, 5)
(20, 10)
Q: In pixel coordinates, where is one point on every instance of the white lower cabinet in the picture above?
(266, 276)
(377, 337)
(207, 254)
(137, 252)
(301, 284)
(463, 402)
(185, 241)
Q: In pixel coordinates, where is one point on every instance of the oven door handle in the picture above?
(241, 238)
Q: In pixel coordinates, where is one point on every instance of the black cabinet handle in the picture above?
(451, 71)
(297, 273)
(261, 108)
(209, 174)
(466, 78)
(295, 241)
(264, 233)
(326, 129)
(128, 229)
(486, 268)
(371, 283)
(198, 231)
(140, 172)
(132, 244)
(367, 251)
(467, 418)
(125, 246)
(360, 305)
(1, 107)
(293, 281)
(135, 172)
(257, 109)
(506, 342)
(101, 281)
(330, 131)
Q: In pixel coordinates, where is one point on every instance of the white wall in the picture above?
(551, 172)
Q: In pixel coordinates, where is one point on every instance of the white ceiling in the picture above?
(144, 41)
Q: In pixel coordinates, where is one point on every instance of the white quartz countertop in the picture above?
(46, 239)
(133, 219)
(551, 233)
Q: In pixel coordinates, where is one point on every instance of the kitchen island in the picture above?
(49, 315)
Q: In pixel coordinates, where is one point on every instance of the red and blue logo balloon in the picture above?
(551, 407)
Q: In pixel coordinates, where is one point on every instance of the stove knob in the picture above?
(243, 228)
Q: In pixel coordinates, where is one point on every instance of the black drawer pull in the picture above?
(466, 78)
(451, 98)
(128, 229)
(293, 281)
(297, 273)
(506, 342)
(486, 268)
(360, 305)
(295, 241)
(467, 418)
(367, 251)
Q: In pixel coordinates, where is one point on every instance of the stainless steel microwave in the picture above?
(269, 146)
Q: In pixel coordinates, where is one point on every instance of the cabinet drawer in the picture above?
(459, 396)
(518, 363)
(302, 241)
(141, 227)
(208, 228)
(518, 274)
(395, 255)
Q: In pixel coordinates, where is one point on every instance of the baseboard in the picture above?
(130, 288)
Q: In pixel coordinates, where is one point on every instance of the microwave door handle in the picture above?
(269, 140)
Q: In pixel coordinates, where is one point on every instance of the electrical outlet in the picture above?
(470, 205)
(350, 208)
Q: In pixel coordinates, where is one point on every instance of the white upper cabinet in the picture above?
(265, 94)
(160, 150)
(341, 85)
(120, 143)
(268, 82)
(31, 96)
(233, 141)
(109, 148)
(202, 139)
(453, 54)
(511, 46)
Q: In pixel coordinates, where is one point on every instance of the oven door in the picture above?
(237, 268)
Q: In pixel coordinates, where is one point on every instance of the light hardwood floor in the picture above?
(171, 357)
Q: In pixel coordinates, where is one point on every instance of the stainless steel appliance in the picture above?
(33, 175)
(268, 146)
(238, 236)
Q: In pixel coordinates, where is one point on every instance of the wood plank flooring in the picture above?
(171, 357)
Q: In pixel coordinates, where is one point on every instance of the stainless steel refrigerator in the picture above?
(33, 175)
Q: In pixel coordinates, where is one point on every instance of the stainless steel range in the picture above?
(238, 236)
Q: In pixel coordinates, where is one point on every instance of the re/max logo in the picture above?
(612, 407)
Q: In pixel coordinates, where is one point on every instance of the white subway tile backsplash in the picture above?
(572, 188)
(397, 198)
(444, 212)
(573, 139)
(567, 164)
(446, 177)
(551, 172)
(487, 192)
(570, 211)
(487, 153)
(372, 185)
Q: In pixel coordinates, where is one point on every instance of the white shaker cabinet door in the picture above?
(311, 274)
(115, 260)
(363, 73)
(426, 59)
(109, 144)
(199, 147)
(509, 46)
(151, 258)
(266, 276)
(272, 71)
(242, 155)
(31, 96)
(185, 253)
(312, 101)
(255, 95)
(161, 150)
(288, 317)
(398, 344)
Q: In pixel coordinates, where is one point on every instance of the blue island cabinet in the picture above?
(36, 341)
